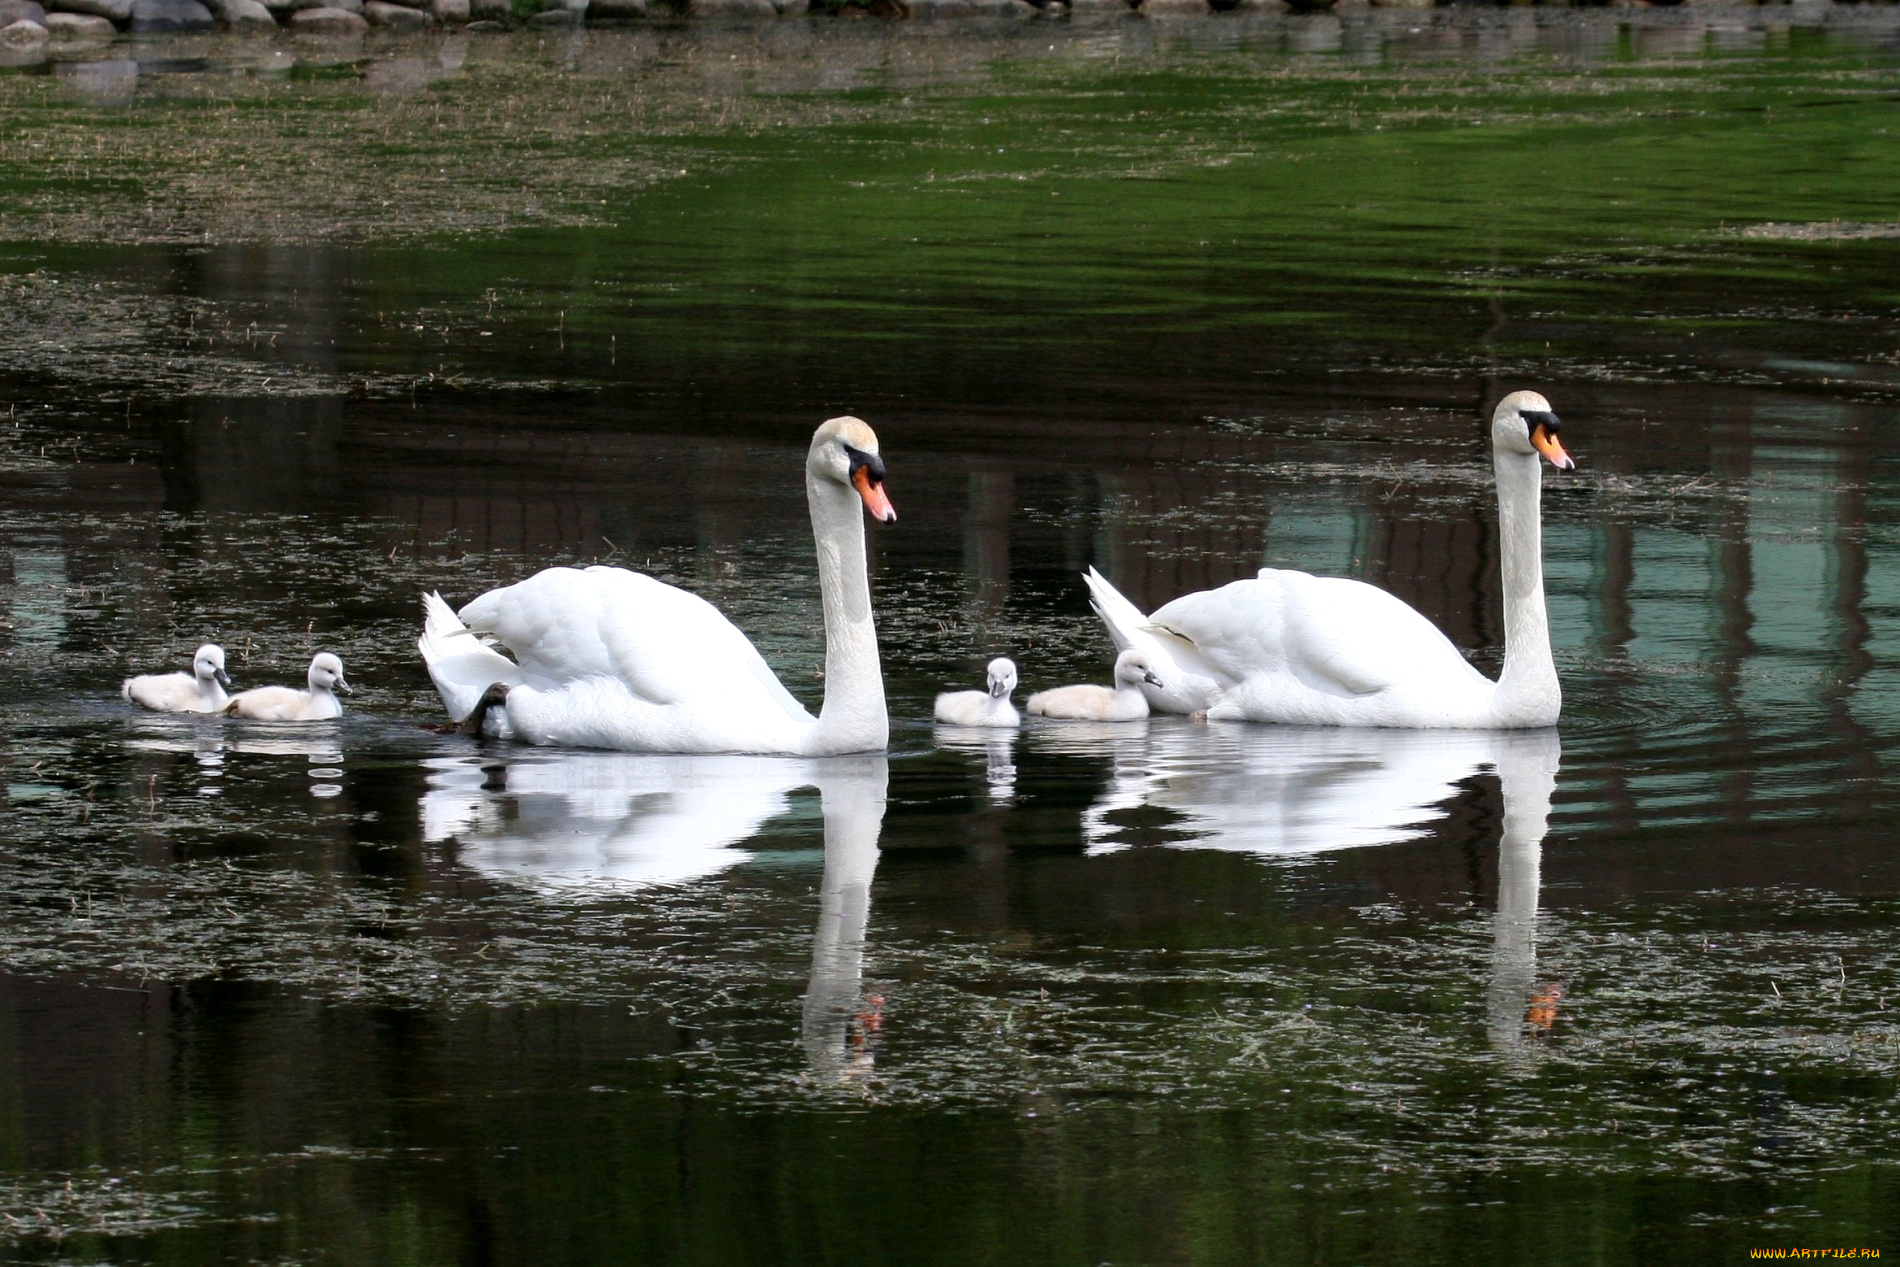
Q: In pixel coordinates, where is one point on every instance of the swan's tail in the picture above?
(460, 665)
(125, 690)
(1122, 617)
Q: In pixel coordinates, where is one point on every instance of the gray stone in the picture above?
(792, 8)
(409, 4)
(1004, 8)
(555, 18)
(395, 17)
(484, 26)
(731, 9)
(327, 22)
(246, 15)
(22, 34)
(12, 11)
(617, 10)
(450, 12)
(490, 11)
(111, 10)
(81, 26)
(940, 8)
(165, 17)
(1174, 8)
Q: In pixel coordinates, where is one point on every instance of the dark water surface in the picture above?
(1174, 298)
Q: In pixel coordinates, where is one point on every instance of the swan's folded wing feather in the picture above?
(668, 646)
(1350, 638)
(459, 663)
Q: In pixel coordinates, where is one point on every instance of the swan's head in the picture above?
(1002, 677)
(1524, 423)
(326, 674)
(845, 450)
(1132, 667)
(207, 665)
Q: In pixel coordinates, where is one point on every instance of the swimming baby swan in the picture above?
(283, 703)
(200, 691)
(1122, 702)
(980, 708)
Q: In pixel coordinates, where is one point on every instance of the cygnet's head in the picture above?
(207, 665)
(1523, 423)
(326, 674)
(845, 450)
(1131, 667)
(1002, 677)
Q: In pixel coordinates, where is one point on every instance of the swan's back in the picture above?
(171, 693)
(1324, 650)
(668, 647)
(284, 703)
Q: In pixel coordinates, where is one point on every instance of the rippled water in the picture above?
(1175, 299)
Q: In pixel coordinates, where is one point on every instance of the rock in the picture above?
(484, 26)
(410, 4)
(450, 12)
(792, 8)
(617, 10)
(1004, 8)
(110, 10)
(12, 11)
(395, 17)
(490, 11)
(555, 17)
(731, 9)
(327, 22)
(940, 8)
(1173, 8)
(246, 15)
(164, 17)
(22, 34)
(82, 26)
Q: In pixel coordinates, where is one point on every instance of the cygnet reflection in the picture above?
(998, 749)
(1289, 791)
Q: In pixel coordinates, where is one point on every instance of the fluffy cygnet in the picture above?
(199, 691)
(1123, 702)
(978, 708)
(283, 703)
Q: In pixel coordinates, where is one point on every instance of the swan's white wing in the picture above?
(1123, 618)
(667, 646)
(460, 664)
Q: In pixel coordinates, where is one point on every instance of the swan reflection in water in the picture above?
(583, 823)
(1291, 791)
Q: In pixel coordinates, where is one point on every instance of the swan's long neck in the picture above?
(853, 718)
(1528, 693)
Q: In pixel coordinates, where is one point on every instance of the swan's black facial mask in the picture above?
(1543, 428)
(867, 476)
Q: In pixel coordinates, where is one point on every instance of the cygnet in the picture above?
(978, 708)
(283, 703)
(1123, 702)
(199, 691)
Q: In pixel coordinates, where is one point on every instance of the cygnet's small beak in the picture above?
(345, 687)
(224, 679)
(876, 500)
(999, 687)
(1546, 443)
(1148, 676)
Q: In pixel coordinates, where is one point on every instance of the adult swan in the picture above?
(607, 658)
(1299, 649)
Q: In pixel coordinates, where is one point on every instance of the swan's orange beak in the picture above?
(875, 499)
(1546, 444)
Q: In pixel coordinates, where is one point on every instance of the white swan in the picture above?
(606, 658)
(983, 708)
(283, 703)
(1305, 650)
(199, 691)
(1121, 702)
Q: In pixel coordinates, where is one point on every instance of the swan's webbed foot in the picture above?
(497, 693)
